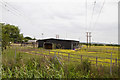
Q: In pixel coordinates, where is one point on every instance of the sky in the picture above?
(70, 19)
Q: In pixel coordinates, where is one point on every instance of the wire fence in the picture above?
(81, 57)
(69, 56)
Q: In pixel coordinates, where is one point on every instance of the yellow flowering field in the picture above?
(102, 52)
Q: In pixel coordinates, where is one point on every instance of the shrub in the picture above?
(84, 67)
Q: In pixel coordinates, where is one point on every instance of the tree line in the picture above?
(95, 44)
(11, 34)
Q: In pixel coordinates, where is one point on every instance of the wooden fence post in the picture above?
(116, 61)
(44, 57)
(68, 56)
(96, 60)
(54, 54)
(58, 54)
(81, 58)
(49, 52)
(15, 54)
(111, 64)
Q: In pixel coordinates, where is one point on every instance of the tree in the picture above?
(29, 38)
(20, 38)
(10, 33)
(5, 37)
(34, 38)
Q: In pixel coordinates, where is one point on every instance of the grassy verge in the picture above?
(24, 65)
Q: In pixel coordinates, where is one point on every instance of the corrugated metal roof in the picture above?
(57, 39)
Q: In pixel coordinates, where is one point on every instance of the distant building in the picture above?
(32, 41)
(58, 44)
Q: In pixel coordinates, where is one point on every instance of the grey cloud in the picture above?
(66, 16)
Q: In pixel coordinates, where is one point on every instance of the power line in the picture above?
(89, 33)
(18, 11)
(8, 10)
(15, 11)
(92, 14)
(10, 5)
(7, 5)
(99, 14)
(88, 39)
(86, 15)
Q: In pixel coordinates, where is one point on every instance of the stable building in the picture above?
(58, 44)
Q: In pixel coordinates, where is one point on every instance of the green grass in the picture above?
(26, 65)
(99, 51)
(102, 55)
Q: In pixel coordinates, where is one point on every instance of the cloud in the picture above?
(65, 16)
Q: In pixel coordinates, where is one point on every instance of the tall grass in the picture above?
(34, 66)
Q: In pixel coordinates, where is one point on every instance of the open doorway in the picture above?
(47, 45)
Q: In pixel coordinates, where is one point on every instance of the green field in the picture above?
(103, 53)
(28, 62)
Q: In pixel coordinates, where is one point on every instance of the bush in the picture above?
(84, 67)
(78, 70)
